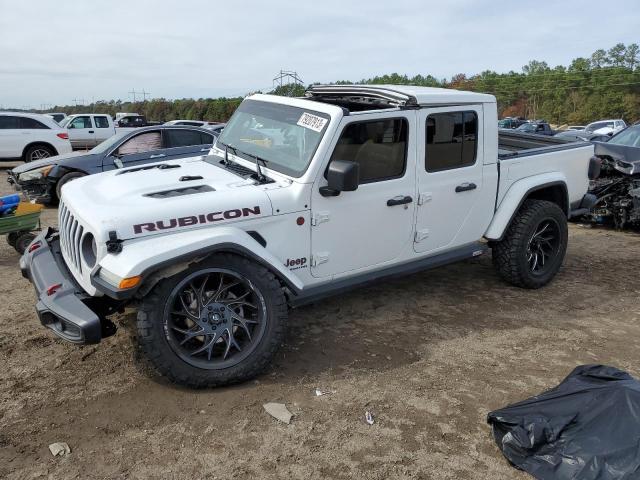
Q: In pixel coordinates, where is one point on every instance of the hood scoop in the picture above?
(159, 166)
(178, 192)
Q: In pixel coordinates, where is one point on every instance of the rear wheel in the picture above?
(216, 323)
(534, 246)
(12, 237)
(38, 152)
(22, 241)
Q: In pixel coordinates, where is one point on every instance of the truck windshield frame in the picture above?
(285, 137)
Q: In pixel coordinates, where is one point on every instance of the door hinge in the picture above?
(319, 258)
(319, 218)
(424, 198)
(421, 235)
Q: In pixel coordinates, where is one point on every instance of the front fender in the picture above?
(148, 255)
(517, 193)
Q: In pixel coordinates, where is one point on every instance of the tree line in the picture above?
(604, 85)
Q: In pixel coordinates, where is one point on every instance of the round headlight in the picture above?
(89, 249)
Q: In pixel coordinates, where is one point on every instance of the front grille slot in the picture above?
(70, 237)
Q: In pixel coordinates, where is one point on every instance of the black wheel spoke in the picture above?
(543, 246)
(216, 318)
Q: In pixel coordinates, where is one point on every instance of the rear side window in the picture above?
(101, 122)
(144, 142)
(452, 140)
(81, 122)
(9, 123)
(186, 138)
(379, 147)
(31, 124)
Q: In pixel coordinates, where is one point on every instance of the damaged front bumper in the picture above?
(61, 304)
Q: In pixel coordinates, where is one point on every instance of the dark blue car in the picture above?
(43, 180)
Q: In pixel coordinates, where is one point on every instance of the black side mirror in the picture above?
(342, 176)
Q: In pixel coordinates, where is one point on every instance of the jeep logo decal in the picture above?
(195, 219)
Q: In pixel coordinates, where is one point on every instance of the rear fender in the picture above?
(518, 193)
(156, 257)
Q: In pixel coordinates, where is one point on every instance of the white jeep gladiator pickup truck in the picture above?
(301, 198)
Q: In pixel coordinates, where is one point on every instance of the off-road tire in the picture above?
(510, 254)
(22, 241)
(153, 344)
(29, 153)
(66, 179)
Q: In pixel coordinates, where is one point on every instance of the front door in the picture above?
(82, 133)
(372, 225)
(449, 175)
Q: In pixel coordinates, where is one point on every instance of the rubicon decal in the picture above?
(195, 219)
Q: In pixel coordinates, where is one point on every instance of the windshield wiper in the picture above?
(259, 176)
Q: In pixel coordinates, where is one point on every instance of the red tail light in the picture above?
(63, 136)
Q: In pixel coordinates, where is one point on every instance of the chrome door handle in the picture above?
(205, 149)
(159, 155)
(466, 187)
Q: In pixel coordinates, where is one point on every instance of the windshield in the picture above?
(592, 127)
(108, 143)
(629, 137)
(284, 137)
(64, 121)
(527, 127)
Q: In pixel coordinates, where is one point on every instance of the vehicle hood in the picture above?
(56, 160)
(138, 202)
(626, 159)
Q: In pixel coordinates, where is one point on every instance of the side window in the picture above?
(101, 122)
(144, 142)
(31, 124)
(183, 138)
(379, 147)
(9, 123)
(206, 139)
(452, 140)
(81, 122)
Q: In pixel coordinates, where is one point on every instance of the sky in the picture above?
(52, 52)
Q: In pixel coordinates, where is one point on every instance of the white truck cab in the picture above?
(299, 199)
(86, 130)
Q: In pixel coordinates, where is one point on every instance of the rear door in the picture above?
(12, 140)
(185, 142)
(449, 175)
(82, 133)
(104, 128)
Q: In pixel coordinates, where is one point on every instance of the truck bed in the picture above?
(517, 144)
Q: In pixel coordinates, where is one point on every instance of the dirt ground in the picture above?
(430, 355)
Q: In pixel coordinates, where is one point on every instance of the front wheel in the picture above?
(534, 246)
(218, 322)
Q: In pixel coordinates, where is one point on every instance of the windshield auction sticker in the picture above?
(313, 122)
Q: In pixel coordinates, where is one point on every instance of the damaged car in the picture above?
(43, 180)
(617, 189)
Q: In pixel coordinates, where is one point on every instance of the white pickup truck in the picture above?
(87, 130)
(301, 198)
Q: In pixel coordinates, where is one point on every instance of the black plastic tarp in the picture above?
(587, 428)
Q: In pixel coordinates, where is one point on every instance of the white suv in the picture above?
(31, 136)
